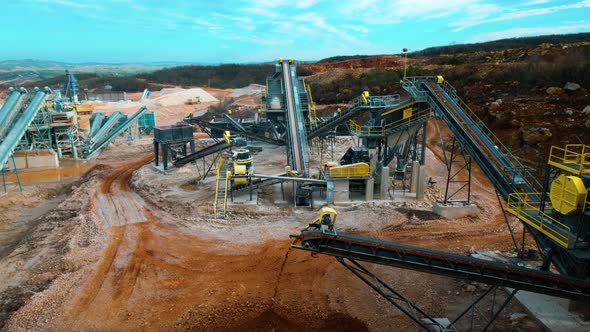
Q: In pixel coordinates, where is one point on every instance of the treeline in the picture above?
(95, 81)
(503, 44)
(222, 76)
(59, 81)
(343, 58)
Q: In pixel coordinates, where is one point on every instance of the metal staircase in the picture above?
(221, 188)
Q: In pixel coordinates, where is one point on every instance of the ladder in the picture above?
(220, 204)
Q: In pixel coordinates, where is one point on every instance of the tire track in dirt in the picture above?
(114, 188)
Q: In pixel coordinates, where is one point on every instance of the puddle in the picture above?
(65, 171)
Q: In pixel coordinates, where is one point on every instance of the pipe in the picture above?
(96, 124)
(20, 126)
(106, 128)
(11, 105)
(118, 131)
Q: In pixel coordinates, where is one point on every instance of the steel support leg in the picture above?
(20, 187)
(381, 287)
(507, 222)
(499, 310)
(472, 304)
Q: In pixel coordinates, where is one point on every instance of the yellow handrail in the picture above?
(220, 163)
(526, 209)
(575, 158)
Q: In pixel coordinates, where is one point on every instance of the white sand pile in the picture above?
(176, 96)
(251, 89)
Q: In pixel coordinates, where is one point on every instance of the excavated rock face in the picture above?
(569, 86)
(532, 136)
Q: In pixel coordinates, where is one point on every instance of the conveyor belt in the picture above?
(219, 146)
(116, 132)
(297, 139)
(377, 102)
(503, 169)
(244, 133)
(20, 124)
(442, 263)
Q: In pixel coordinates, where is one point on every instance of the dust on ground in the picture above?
(129, 248)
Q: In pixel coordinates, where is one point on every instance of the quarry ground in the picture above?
(125, 247)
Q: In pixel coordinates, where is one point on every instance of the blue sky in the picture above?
(134, 31)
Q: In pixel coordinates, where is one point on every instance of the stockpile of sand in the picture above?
(176, 96)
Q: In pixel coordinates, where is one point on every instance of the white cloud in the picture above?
(72, 4)
(523, 32)
(305, 3)
(507, 14)
(535, 2)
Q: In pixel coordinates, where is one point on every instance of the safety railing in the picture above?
(575, 158)
(410, 83)
(361, 130)
(526, 206)
(382, 101)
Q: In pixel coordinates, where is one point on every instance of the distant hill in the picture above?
(222, 76)
(503, 44)
(19, 71)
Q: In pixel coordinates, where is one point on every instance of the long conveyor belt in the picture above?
(219, 146)
(244, 133)
(442, 263)
(297, 139)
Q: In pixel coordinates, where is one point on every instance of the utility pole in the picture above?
(405, 61)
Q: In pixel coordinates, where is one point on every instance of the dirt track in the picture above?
(153, 271)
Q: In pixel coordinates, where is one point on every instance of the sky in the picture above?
(224, 31)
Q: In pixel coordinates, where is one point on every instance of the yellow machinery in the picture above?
(84, 109)
(365, 97)
(193, 101)
(325, 221)
(240, 174)
(241, 166)
(227, 136)
(357, 170)
(567, 194)
(564, 220)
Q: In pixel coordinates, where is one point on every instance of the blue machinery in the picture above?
(29, 122)
(104, 137)
(15, 124)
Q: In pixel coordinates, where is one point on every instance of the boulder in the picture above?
(554, 91)
(586, 110)
(569, 86)
(533, 135)
(569, 112)
(496, 104)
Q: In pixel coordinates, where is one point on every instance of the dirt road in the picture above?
(153, 275)
(153, 272)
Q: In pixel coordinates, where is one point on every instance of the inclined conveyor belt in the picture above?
(20, 124)
(219, 146)
(442, 263)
